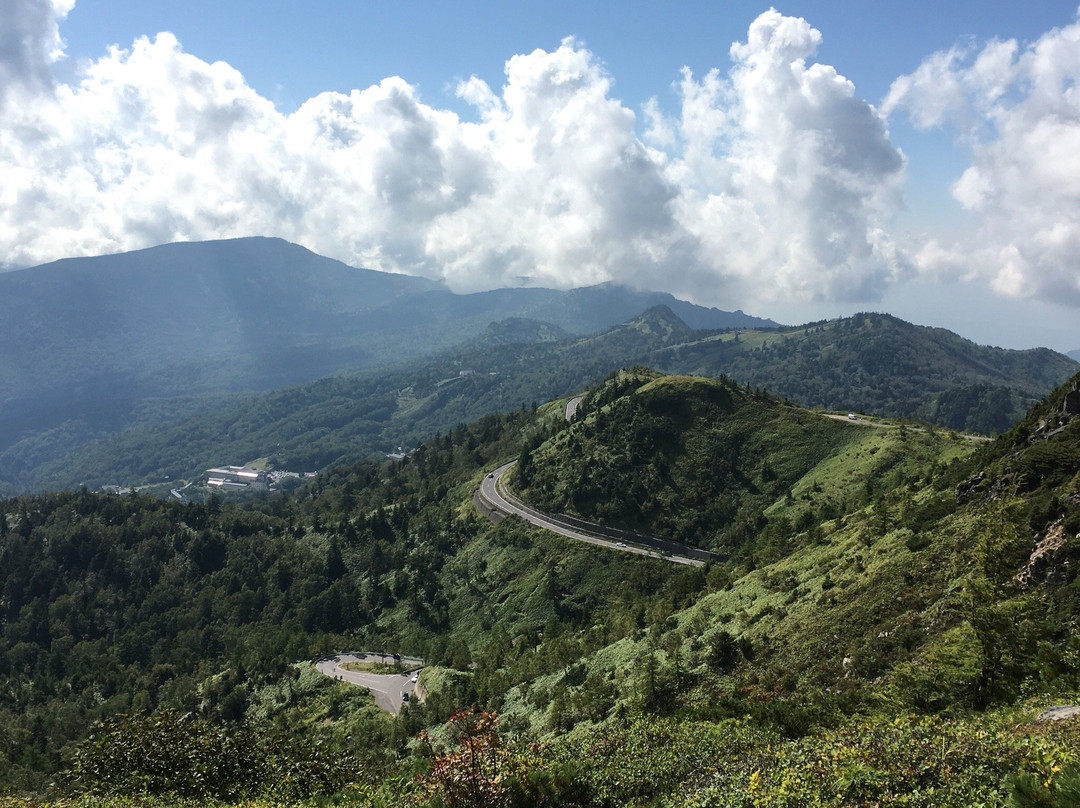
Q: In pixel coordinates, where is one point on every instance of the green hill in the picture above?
(899, 605)
(92, 346)
(888, 529)
(879, 364)
(353, 416)
(703, 461)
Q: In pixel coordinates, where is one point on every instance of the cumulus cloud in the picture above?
(1018, 111)
(29, 43)
(570, 194)
(773, 180)
(789, 179)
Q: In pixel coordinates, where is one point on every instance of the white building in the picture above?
(237, 477)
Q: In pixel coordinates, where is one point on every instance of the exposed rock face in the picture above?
(966, 490)
(1059, 713)
(1003, 485)
(1043, 565)
(1072, 402)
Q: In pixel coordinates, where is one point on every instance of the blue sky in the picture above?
(292, 51)
(507, 153)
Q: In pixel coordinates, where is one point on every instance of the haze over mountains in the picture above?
(142, 365)
(90, 339)
(896, 607)
(255, 313)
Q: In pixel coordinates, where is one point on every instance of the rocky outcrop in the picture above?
(1059, 713)
(969, 488)
(1071, 405)
(1045, 564)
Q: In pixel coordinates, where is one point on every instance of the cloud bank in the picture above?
(772, 181)
(1017, 109)
(29, 43)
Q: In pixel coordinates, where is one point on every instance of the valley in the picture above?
(863, 605)
(140, 340)
(635, 562)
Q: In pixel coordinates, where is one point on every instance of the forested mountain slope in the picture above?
(939, 571)
(344, 418)
(90, 346)
(515, 361)
(700, 460)
(900, 607)
(877, 363)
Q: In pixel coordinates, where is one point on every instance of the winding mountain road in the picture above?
(862, 420)
(572, 407)
(496, 503)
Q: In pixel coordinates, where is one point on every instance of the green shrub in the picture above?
(172, 753)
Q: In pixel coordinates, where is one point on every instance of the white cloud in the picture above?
(29, 43)
(774, 180)
(571, 196)
(789, 179)
(1018, 111)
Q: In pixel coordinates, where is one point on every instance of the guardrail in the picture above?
(602, 531)
(379, 656)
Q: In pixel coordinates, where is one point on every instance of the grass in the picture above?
(374, 667)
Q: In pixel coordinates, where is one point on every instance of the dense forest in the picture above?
(868, 363)
(95, 346)
(877, 363)
(897, 606)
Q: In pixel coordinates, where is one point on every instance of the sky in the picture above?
(800, 162)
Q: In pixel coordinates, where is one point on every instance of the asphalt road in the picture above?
(571, 407)
(859, 420)
(492, 499)
(387, 688)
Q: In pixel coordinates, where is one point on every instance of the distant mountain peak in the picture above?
(662, 321)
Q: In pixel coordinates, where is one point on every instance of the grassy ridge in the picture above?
(880, 634)
(868, 363)
(710, 463)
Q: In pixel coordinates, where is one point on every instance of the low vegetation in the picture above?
(867, 363)
(897, 606)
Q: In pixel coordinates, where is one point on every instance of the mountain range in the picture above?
(896, 609)
(147, 366)
(347, 417)
(89, 345)
(886, 611)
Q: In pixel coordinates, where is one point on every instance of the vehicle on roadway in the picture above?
(404, 698)
(620, 544)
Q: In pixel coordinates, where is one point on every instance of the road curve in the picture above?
(387, 688)
(493, 501)
(572, 407)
